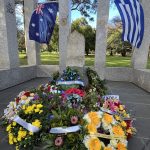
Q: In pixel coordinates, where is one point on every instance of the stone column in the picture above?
(101, 37)
(32, 47)
(140, 56)
(8, 35)
(64, 30)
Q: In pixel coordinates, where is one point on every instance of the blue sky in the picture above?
(112, 13)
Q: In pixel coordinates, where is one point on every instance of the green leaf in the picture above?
(55, 114)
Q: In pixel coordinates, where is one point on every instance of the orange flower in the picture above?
(108, 118)
(118, 131)
(94, 118)
(91, 128)
(94, 144)
(121, 146)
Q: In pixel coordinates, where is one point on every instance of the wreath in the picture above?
(105, 132)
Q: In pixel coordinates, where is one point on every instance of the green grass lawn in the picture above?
(53, 59)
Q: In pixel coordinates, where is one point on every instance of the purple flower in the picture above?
(36, 97)
(50, 96)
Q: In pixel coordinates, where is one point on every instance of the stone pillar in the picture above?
(32, 47)
(101, 37)
(8, 35)
(64, 30)
(140, 56)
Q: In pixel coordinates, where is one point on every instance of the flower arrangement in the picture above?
(26, 124)
(95, 83)
(71, 118)
(67, 128)
(70, 79)
(105, 132)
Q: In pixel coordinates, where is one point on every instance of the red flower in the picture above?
(27, 93)
(17, 100)
(49, 88)
(59, 141)
(74, 119)
(74, 91)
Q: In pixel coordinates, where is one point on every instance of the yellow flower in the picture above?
(108, 118)
(37, 110)
(129, 131)
(91, 128)
(14, 124)
(40, 111)
(10, 137)
(117, 117)
(36, 123)
(22, 134)
(121, 107)
(29, 110)
(18, 139)
(94, 118)
(121, 146)
(94, 144)
(15, 140)
(23, 107)
(8, 128)
(118, 131)
(123, 123)
(17, 148)
(39, 106)
(30, 133)
(24, 97)
(108, 148)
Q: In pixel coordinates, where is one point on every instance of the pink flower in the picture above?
(74, 119)
(58, 141)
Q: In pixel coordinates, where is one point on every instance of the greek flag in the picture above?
(132, 16)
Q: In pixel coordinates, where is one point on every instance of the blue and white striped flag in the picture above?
(132, 16)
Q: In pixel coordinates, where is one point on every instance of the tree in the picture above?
(114, 39)
(21, 40)
(82, 26)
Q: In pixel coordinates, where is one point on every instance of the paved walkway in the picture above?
(136, 99)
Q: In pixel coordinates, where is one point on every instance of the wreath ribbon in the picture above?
(70, 82)
(110, 137)
(61, 130)
(26, 125)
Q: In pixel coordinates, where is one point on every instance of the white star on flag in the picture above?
(33, 24)
(50, 10)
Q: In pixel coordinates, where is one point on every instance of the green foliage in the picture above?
(21, 40)
(95, 83)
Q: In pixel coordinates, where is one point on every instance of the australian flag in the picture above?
(42, 22)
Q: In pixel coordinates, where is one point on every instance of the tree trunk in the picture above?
(123, 53)
(111, 53)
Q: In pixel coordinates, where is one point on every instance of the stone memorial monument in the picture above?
(76, 50)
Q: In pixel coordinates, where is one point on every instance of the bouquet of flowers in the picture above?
(70, 79)
(25, 120)
(67, 130)
(105, 132)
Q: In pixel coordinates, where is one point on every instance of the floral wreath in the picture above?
(105, 132)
